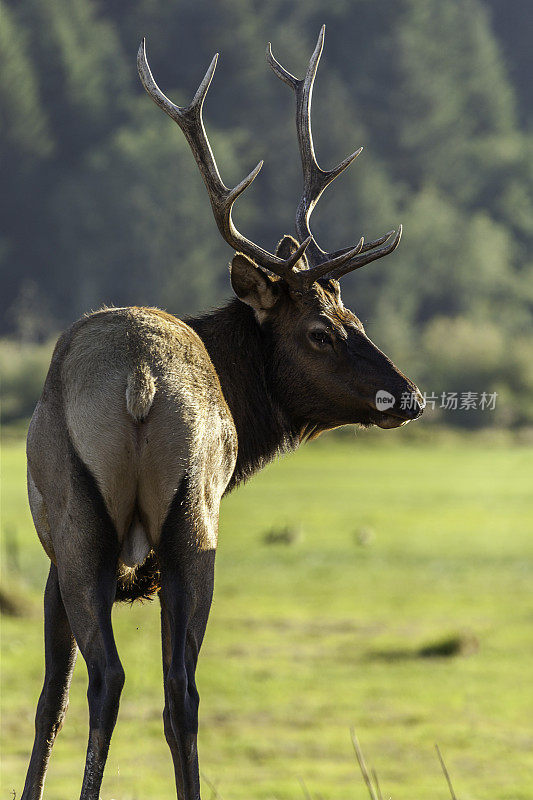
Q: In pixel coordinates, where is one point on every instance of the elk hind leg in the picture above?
(183, 625)
(187, 577)
(60, 657)
(87, 568)
(89, 609)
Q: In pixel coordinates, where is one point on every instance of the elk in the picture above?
(146, 421)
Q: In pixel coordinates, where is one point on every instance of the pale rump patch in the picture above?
(131, 366)
(140, 392)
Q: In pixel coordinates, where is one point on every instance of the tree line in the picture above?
(102, 201)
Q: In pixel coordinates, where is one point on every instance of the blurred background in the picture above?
(102, 201)
(382, 581)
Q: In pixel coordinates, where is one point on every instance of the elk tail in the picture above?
(140, 392)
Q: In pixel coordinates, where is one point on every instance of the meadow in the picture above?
(373, 581)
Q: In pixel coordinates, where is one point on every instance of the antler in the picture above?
(222, 199)
(316, 180)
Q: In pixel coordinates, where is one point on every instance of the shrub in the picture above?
(23, 367)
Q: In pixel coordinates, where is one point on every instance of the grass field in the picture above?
(402, 546)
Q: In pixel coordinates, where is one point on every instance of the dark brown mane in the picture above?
(241, 352)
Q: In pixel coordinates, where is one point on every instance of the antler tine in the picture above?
(190, 121)
(366, 246)
(147, 80)
(366, 258)
(321, 270)
(316, 179)
(344, 261)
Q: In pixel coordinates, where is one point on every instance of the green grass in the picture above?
(309, 638)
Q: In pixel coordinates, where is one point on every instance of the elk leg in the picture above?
(183, 626)
(87, 549)
(88, 604)
(60, 657)
(166, 641)
(187, 574)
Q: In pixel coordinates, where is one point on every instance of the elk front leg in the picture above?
(60, 657)
(186, 591)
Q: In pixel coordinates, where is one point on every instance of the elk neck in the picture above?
(240, 351)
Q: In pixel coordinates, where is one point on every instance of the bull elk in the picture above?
(146, 421)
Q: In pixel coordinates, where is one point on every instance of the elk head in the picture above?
(328, 370)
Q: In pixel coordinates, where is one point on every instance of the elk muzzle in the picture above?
(391, 398)
(388, 410)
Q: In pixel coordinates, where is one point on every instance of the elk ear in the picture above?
(251, 285)
(286, 247)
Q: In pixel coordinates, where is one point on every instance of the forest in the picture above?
(102, 202)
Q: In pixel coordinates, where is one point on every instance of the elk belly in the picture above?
(136, 546)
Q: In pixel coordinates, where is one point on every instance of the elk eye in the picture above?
(320, 337)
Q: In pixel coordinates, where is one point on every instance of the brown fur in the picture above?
(140, 468)
(140, 392)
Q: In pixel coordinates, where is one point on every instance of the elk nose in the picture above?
(416, 406)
